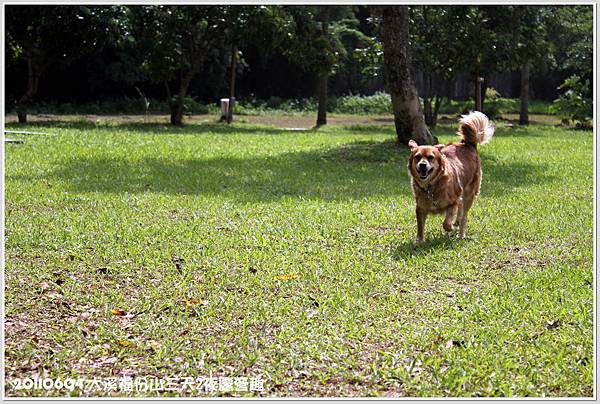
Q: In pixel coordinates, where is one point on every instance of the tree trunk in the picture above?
(234, 51)
(436, 110)
(322, 79)
(524, 112)
(168, 93)
(427, 99)
(478, 94)
(484, 86)
(33, 77)
(322, 94)
(177, 106)
(408, 118)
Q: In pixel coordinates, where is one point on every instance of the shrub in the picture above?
(493, 104)
(378, 103)
(575, 105)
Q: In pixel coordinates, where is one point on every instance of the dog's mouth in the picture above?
(424, 173)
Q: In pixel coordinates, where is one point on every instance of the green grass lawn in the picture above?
(252, 251)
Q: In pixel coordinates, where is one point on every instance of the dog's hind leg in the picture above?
(469, 196)
(421, 216)
(467, 202)
(451, 213)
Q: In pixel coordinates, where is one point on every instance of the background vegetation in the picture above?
(117, 58)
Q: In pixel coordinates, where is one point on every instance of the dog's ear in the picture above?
(439, 146)
(412, 144)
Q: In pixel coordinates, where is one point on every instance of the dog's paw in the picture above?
(449, 227)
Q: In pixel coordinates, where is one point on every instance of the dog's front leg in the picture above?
(421, 216)
(451, 212)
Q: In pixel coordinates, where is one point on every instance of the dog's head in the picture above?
(425, 162)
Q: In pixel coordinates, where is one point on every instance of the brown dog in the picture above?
(446, 178)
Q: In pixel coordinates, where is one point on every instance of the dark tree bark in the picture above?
(322, 95)
(524, 111)
(478, 93)
(233, 67)
(177, 106)
(436, 110)
(34, 71)
(484, 86)
(431, 100)
(408, 117)
(168, 92)
(322, 79)
(427, 109)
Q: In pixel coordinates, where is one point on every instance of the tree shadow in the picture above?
(351, 171)
(500, 178)
(346, 172)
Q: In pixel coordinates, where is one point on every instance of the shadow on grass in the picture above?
(350, 171)
(439, 241)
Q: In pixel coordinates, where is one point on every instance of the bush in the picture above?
(378, 103)
(493, 105)
(575, 105)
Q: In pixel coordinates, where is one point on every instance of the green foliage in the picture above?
(376, 104)
(492, 106)
(177, 39)
(571, 30)
(315, 38)
(370, 57)
(575, 104)
(59, 34)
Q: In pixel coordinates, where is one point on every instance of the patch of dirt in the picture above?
(533, 118)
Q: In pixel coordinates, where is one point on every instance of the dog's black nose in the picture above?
(422, 165)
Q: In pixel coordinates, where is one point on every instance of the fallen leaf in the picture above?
(252, 270)
(123, 342)
(44, 285)
(553, 324)
(191, 302)
(118, 312)
(287, 277)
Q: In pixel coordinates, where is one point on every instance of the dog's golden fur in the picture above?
(446, 178)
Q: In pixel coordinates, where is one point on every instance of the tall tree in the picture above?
(316, 45)
(408, 117)
(570, 29)
(264, 26)
(482, 34)
(530, 49)
(436, 53)
(56, 35)
(177, 42)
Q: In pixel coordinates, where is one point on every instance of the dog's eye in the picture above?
(417, 157)
(429, 158)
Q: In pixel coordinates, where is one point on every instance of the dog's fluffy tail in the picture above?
(475, 128)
